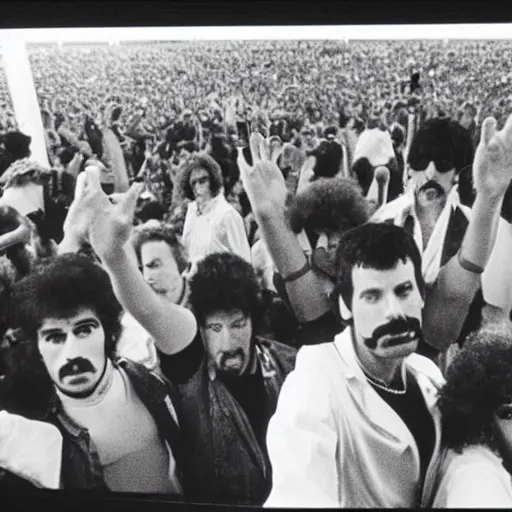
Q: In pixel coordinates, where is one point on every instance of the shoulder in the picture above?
(387, 212)
(285, 354)
(424, 366)
(475, 477)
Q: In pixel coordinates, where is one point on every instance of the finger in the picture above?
(255, 145)
(93, 179)
(507, 130)
(129, 203)
(80, 185)
(242, 162)
(488, 130)
(264, 149)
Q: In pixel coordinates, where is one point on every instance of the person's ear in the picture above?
(345, 312)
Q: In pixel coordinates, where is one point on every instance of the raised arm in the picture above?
(172, 327)
(448, 301)
(266, 189)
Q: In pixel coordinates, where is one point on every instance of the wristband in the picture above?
(467, 265)
(298, 274)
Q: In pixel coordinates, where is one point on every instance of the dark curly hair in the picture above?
(478, 381)
(60, 286)
(378, 246)
(200, 161)
(224, 282)
(163, 233)
(335, 204)
(55, 288)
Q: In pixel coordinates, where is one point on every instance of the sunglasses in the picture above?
(199, 181)
(421, 163)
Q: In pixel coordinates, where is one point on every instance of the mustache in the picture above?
(396, 327)
(432, 184)
(75, 367)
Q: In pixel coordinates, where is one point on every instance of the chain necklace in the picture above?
(384, 387)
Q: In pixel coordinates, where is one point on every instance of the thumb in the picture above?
(80, 185)
(130, 200)
(92, 173)
(488, 130)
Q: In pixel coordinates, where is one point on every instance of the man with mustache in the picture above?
(456, 281)
(356, 423)
(433, 210)
(116, 421)
(228, 378)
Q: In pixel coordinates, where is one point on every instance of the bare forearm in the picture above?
(305, 293)
(172, 327)
(447, 303)
(19, 235)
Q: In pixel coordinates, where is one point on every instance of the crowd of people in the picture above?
(265, 273)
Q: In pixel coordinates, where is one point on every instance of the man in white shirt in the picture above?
(356, 423)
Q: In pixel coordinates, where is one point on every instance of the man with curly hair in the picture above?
(115, 425)
(229, 380)
(476, 408)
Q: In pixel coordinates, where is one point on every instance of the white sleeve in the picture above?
(236, 236)
(31, 449)
(497, 276)
(302, 442)
(478, 486)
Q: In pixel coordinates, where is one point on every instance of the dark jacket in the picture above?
(224, 459)
(81, 467)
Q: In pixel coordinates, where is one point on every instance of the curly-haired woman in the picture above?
(211, 224)
(476, 408)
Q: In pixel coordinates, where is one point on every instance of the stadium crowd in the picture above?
(269, 273)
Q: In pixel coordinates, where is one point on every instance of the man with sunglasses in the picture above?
(432, 209)
(458, 280)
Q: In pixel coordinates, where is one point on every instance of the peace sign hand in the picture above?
(263, 182)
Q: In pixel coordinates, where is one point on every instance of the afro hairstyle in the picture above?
(334, 204)
(478, 381)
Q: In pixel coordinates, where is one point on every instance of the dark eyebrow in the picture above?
(87, 321)
(369, 291)
(47, 332)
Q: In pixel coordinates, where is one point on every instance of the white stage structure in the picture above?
(21, 86)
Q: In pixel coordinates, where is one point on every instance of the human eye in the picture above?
(215, 327)
(239, 324)
(372, 297)
(56, 338)
(84, 330)
(404, 291)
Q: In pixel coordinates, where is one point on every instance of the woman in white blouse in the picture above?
(476, 411)
(211, 224)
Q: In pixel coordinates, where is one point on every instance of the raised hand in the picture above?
(306, 173)
(492, 166)
(108, 225)
(264, 181)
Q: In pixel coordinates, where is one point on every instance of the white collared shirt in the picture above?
(218, 228)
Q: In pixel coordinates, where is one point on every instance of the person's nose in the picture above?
(430, 171)
(71, 349)
(394, 308)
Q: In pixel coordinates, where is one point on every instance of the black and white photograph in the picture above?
(259, 266)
